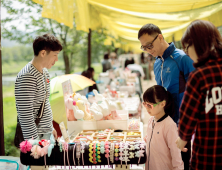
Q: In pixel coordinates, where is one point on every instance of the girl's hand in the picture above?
(181, 144)
(145, 138)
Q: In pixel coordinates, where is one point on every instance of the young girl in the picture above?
(162, 151)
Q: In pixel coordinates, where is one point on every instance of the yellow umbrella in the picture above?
(78, 82)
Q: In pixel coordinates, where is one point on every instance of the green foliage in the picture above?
(17, 53)
(74, 42)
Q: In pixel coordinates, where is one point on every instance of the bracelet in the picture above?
(94, 153)
(107, 151)
(116, 152)
(102, 147)
(91, 152)
(78, 149)
(141, 151)
(83, 151)
(98, 157)
(112, 153)
(73, 154)
(126, 153)
(65, 146)
(121, 153)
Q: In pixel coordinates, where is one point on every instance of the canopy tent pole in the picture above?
(2, 146)
(89, 48)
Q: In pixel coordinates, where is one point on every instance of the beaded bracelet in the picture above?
(102, 147)
(107, 151)
(73, 154)
(78, 149)
(116, 152)
(83, 151)
(91, 152)
(98, 157)
(112, 153)
(121, 153)
(94, 153)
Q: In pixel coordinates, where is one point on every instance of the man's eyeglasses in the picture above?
(151, 106)
(186, 49)
(149, 46)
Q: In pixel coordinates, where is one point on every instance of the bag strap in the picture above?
(43, 103)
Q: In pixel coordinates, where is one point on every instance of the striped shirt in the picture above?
(29, 95)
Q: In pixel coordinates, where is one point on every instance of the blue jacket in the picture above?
(167, 73)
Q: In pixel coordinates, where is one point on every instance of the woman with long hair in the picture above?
(201, 108)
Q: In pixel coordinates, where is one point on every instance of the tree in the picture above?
(28, 14)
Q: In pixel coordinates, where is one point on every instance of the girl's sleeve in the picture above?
(175, 152)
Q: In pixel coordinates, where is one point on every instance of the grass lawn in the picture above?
(10, 120)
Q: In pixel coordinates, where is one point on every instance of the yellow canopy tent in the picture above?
(123, 18)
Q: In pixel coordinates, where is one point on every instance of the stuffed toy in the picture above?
(79, 114)
(97, 115)
(96, 111)
(112, 108)
(87, 104)
(76, 96)
(69, 109)
(105, 111)
(98, 97)
(81, 106)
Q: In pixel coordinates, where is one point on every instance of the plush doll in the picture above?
(96, 111)
(97, 115)
(87, 104)
(79, 114)
(76, 96)
(69, 109)
(112, 108)
(81, 106)
(105, 111)
(98, 97)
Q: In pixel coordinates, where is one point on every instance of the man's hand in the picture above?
(181, 144)
(54, 134)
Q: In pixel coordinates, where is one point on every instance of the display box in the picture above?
(75, 127)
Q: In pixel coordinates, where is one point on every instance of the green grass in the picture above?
(10, 120)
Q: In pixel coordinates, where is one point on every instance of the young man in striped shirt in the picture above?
(30, 89)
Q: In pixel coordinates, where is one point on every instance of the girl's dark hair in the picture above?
(90, 71)
(206, 39)
(157, 94)
(46, 42)
(85, 74)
